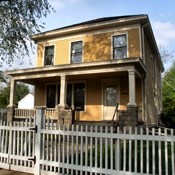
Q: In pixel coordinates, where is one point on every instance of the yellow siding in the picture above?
(93, 102)
(124, 91)
(96, 47)
(40, 55)
(62, 52)
(133, 43)
(40, 94)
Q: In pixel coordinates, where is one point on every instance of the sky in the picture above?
(161, 14)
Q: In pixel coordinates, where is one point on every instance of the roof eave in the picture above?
(82, 27)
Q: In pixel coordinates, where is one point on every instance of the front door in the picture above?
(111, 98)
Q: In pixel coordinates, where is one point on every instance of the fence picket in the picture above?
(166, 153)
(111, 150)
(159, 153)
(86, 149)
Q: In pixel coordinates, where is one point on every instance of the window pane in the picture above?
(120, 53)
(79, 96)
(69, 95)
(111, 97)
(119, 40)
(77, 58)
(58, 90)
(76, 52)
(119, 47)
(51, 96)
(49, 54)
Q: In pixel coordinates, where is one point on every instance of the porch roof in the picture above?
(31, 75)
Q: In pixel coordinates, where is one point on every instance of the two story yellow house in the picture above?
(95, 66)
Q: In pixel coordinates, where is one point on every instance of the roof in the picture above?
(100, 20)
(91, 22)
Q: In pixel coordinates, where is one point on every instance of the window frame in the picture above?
(44, 55)
(71, 60)
(113, 48)
(56, 93)
(72, 94)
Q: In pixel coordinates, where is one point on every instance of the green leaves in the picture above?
(168, 93)
(18, 21)
(21, 91)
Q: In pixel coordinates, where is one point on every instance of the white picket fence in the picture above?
(96, 150)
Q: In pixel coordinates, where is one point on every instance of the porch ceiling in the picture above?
(99, 69)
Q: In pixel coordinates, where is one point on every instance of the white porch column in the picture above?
(63, 88)
(10, 107)
(132, 88)
(12, 93)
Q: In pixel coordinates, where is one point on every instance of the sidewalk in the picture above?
(7, 172)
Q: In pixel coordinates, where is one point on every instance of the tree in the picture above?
(168, 93)
(166, 55)
(18, 21)
(21, 91)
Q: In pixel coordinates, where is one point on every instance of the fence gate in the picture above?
(17, 146)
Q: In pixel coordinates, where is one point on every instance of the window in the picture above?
(53, 95)
(119, 46)
(79, 94)
(48, 55)
(111, 96)
(76, 96)
(76, 52)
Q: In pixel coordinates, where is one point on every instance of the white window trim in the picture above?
(70, 44)
(115, 81)
(43, 63)
(118, 34)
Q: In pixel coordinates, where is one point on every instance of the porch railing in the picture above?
(51, 113)
(24, 113)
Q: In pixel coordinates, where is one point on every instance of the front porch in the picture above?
(92, 90)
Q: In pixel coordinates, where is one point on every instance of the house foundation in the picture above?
(64, 116)
(128, 117)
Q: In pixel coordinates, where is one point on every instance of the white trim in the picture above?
(102, 31)
(70, 44)
(140, 40)
(88, 26)
(118, 34)
(112, 81)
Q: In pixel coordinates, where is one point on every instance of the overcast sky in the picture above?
(161, 14)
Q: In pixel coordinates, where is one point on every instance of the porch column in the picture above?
(63, 89)
(63, 115)
(10, 107)
(132, 88)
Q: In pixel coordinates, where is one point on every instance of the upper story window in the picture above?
(76, 52)
(119, 46)
(49, 55)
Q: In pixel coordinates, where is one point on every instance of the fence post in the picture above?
(40, 117)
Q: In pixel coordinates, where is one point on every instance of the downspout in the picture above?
(144, 80)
